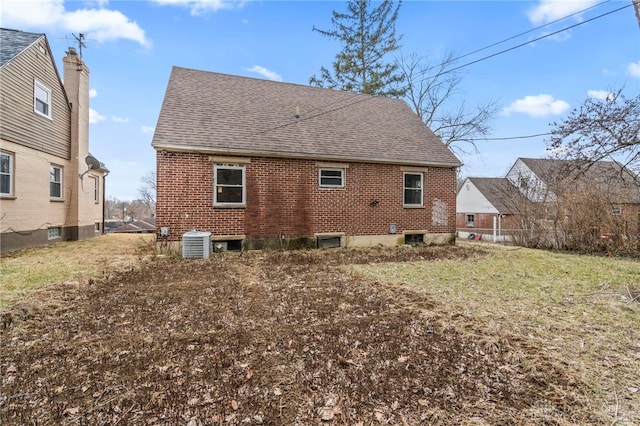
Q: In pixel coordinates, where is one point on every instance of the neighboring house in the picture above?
(486, 207)
(604, 196)
(51, 187)
(142, 226)
(257, 162)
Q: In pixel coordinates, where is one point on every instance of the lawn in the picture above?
(469, 334)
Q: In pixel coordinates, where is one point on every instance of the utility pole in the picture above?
(636, 5)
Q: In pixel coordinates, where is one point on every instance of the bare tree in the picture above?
(432, 90)
(147, 191)
(600, 129)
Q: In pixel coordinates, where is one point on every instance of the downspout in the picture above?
(104, 197)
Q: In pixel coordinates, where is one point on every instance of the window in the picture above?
(6, 174)
(53, 233)
(524, 182)
(616, 209)
(471, 220)
(229, 183)
(42, 99)
(96, 190)
(412, 189)
(55, 182)
(331, 178)
(96, 227)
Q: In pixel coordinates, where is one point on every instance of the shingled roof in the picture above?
(610, 176)
(217, 113)
(500, 193)
(12, 42)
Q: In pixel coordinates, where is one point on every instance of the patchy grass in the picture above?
(583, 310)
(30, 269)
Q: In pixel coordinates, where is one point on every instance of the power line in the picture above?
(528, 42)
(466, 65)
(515, 36)
(512, 137)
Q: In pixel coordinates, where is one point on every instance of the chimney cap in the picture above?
(72, 51)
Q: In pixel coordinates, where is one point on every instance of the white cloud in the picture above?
(121, 120)
(537, 106)
(549, 10)
(599, 94)
(95, 117)
(265, 73)
(199, 7)
(93, 93)
(148, 129)
(634, 69)
(98, 23)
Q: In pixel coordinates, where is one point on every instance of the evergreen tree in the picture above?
(368, 35)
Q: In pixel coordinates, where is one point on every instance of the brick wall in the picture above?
(284, 199)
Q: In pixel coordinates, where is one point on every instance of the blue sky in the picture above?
(132, 46)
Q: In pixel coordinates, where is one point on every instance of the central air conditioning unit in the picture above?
(196, 245)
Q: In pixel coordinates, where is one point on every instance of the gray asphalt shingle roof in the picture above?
(499, 192)
(218, 113)
(610, 176)
(12, 42)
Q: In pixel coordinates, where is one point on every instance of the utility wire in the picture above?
(461, 66)
(512, 137)
(515, 36)
(528, 42)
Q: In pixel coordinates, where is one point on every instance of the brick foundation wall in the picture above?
(285, 200)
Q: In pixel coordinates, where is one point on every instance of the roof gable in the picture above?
(211, 112)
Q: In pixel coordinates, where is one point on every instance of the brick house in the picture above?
(51, 187)
(542, 196)
(257, 162)
(486, 208)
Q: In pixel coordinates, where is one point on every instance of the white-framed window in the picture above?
(471, 220)
(6, 174)
(54, 232)
(42, 99)
(97, 227)
(331, 177)
(616, 209)
(55, 181)
(229, 181)
(412, 189)
(96, 190)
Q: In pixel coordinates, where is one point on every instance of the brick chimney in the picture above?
(76, 84)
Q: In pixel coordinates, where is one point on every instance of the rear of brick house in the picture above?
(260, 163)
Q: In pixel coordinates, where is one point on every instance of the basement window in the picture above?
(54, 232)
(329, 241)
(414, 239)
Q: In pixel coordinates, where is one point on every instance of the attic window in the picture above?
(42, 99)
(616, 209)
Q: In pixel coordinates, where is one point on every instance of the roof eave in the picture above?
(299, 156)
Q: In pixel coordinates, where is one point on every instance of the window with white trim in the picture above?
(6, 174)
(471, 220)
(55, 182)
(96, 190)
(229, 182)
(616, 209)
(412, 189)
(331, 178)
(53, 233)
(42, 99)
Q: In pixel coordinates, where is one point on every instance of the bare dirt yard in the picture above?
(300, 338)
